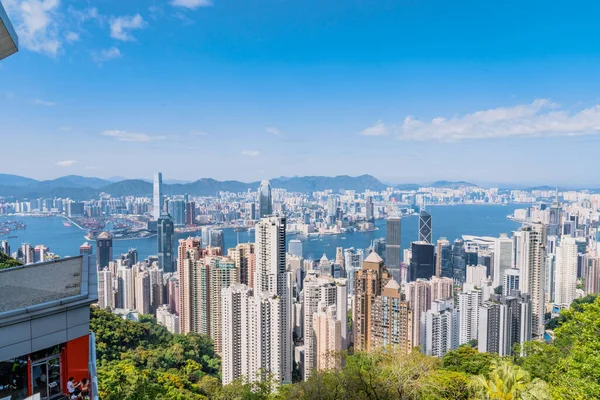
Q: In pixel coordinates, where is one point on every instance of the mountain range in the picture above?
(80, 187)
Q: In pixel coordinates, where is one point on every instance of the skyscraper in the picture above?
(425, 227)
(555, 217)
(369, 281)
(503, 256)
(157, 205)
(165, 243)
(327, 329)
(104, 249)
(422, 261)
(188, 253)
(177, 212)
(566, 271)
(105, 289)
(439, 328)
(530, 260)
(393, 252)
(443, 261)
(271, 277)
(511, 281)
(392, 320)
(244, 259)
(265, 202)
(320, 292)
(369, 209)
(217, 239)
(503, 322)
(468, 310)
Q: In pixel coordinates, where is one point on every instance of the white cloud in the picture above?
(379, 129)
(120, 27)
(124, 136)
(44, 103)
(65, 163)
(540, 118)
(82, 16)
(106, 54)
(272, 130)
(37, 23)
(250, 153)
(191, 4)
(72, 37)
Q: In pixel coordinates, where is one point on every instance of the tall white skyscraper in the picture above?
(566, 271)
(105, 289)
(236, 333)
(257, 325)
(158, 197)
(530, 260)
(503, 257)
(468, 308)
(270, 276)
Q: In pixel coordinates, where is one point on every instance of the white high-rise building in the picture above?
(157, 203)
(257, 326)
(143, 299)
(511, 281)
(126, 288)
(236, 334)
(439, 328)
(271, 276)
(566, 271)
(468, 308)
(105, 289)
(503, 258)
(530, 261)
(251, 341)
(322, 291)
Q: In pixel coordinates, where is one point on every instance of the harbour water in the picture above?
(447, 221)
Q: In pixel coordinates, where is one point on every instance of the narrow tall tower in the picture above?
(265, 202)
(393, 252)
(425, 227)
(270, 276)
(158, 198)
(165, 243)
(530, 260)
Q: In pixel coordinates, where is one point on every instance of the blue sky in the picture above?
(409, 91)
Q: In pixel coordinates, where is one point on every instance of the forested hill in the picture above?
(8, 262)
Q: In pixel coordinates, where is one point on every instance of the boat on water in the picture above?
(12, 237)
(66, 224)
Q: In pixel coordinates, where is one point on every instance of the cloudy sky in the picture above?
(409, 91)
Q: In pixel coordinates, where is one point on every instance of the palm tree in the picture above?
(508, 382)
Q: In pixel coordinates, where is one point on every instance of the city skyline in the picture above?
(161, 81)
